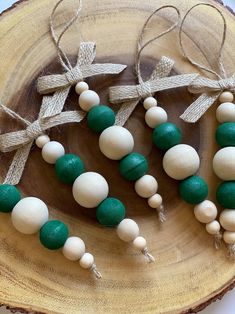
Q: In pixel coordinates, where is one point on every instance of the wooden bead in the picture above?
(90, 189)
(42, 140)
(226, 112)
(140, 243)
(205, 212)
(110, 212)
(133, 166)
(155, 116)
(74, 248)
(88, 99)
(181, 161)
(155, 201)
(227, 219)
(52, 151)
(100, 118)
(225, 134)
(146, 186)
(226, 97)
(29, 215)
(224, 164)
(149, 102)
(213, 227)
(9, 197)
(128, 230)
(225, 194)
(54, 234)
(229, 237)
(81, 87)
(166, 135)
(116, 142)
(86, 261)
(193, 190)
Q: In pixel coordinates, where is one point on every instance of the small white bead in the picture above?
(226, 97)
(88, 99)
(90, 189)
(128, 230)
(74, 248)
(227, 219)
(52, 151)
(155, 116)
(87, 260)
(229, 237)
(205, 212)
(81, 87)
(116, 142)
(213, 227)
(149, 102)
(155, 201)
(146, 186)
(224, 163)
(140, 243)
(42, 140)
(181, 161)
(29, 215)
(226, 112)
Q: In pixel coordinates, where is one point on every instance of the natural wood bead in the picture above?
(74, 248)
(181, 161)
(90, 189)
(155, 116)
(86, 261)
(226, 97)
(149, 102)
(42, 140)
(227, 219)
(155, 201)
(128, 230)
(213, 227)
(146, 186)
(140, 243)
(29, 215)
(116, 142)
(229, 237)
(226, 112)
(81, 87)
(88, 99)
(205, 212)
(224, 164)
(52, 151)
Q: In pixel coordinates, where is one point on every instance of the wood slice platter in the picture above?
(188, 273)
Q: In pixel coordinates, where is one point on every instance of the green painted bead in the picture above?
(9, 197)
(166, 135)
(225, 194)
(193, 190)
(53, 234)
(133, 166)
(100, 118)
(110, 212)
(68, 168)
(225, 134)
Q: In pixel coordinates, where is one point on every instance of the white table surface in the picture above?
(227, 304)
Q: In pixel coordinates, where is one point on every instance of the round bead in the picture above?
(224, 163)
(110, 212)
(68, 168)
(88, 99)
(193, 190)
(29, 215)
(81, 87)
(74, 248)
(54, 234)
(181, 161)
(86, 261)
(149, 102)
(229, 237)
(90, 189)
(205, 212)
(52, 151)
(128, 230)
(42, 140)
(226, 112)
(166, 135)
(155, 116)
(100, 118)
(155, 201)
(226, 97)
(225, 134)
(227, 219)
(9, 197)
(225, 194)
(146, 186)
(116, 142)
(140, 243)
(213, 227)
(133, 166)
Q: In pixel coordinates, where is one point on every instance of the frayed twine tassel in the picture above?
(231, 252)
(161, 213)
(148, 256)
(95, 271)
(218, 240)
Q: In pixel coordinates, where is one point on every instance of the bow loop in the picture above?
(34, 130)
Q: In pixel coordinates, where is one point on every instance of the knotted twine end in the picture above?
(161, 213)
(95, 271)
(231, 252)
(148, 256)
(218, 240)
